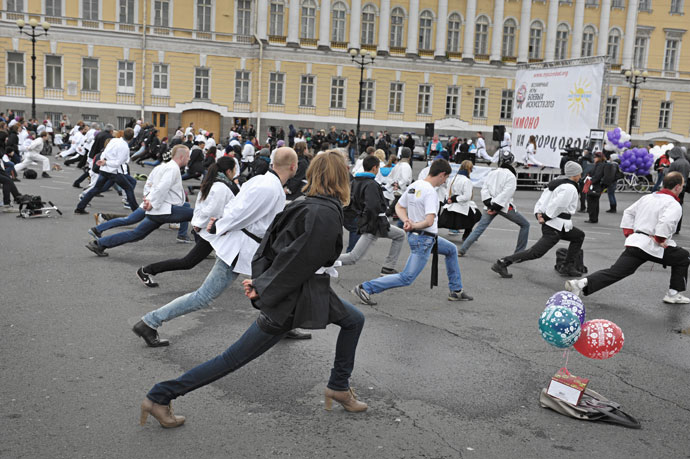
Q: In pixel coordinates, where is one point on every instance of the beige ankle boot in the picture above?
(347, 398)
(163, 414)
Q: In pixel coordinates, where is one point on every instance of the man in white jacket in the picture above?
(554, 211)
(497, 195)
(33, 154)
(400, 177)
(648, 226)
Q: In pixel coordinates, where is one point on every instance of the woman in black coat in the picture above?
(290, 289)
(597, 186)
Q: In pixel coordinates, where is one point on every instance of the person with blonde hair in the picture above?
(290, 286)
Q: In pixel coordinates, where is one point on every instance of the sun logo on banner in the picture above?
(579, 95)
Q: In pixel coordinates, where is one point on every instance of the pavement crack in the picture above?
(646, 391)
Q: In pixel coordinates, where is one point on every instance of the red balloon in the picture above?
(599, 339)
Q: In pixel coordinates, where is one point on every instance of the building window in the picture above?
(424, 99)
(395, 101)
(54, 72)
(368, 95)
(592, 3)
(244, 17)
(368, 25)
(640, 59)
(242, 86)
(635, 112)
(535, 33)
(306, 91)
(481, 35)
(15, 69)
(90, 10)
(645, 5)
(15, 6)
(508, 45)
(125, 76)
(203, 15)
(665, 114)
(671, 55)
(338, 12)
(202, 79)
(338, 92)
(89, 74)
(54, 8)
(308, 19)
(588, 41)
(613, 47)
(676, 7)
(479, 103)
(397, 28)
(276, 19)
(160, 79)
(161, 13)
(55, 118)
(617, 4)
(127, 11)
(507, 104)
(453, 101)
(122, 122)
(88, 119)
(611, 116)
(276, 81)
(426, 19)
(561, 51)
(454, 25)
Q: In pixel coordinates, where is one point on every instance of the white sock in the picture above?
(672, 292)
(582, 283)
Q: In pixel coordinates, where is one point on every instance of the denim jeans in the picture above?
(611, 192)
(148, 225)
(152, 163)
(220, 277)
(512, 215)
(135, 217)
(103, 179)
(420, 250)
(351, 227)
(251, 345)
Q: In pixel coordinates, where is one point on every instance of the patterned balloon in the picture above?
(570, 301)
(559, 326)
(600, 339)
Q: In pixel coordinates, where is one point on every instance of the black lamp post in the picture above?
(361, 58)
(635, 78)
(33, 23)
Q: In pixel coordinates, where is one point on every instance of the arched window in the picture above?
(508, 45)
(454, 24)
(613, 48)
(308, 19)
(426, 19)
(561, 51)
(536, 31)
(276, 18)
(588, 41)
(397, 27)
(368, 24)
(338, 13)
(481, 35)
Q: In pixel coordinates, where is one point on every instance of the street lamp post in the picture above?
(635, 78)
(361, 58)
(33, 23)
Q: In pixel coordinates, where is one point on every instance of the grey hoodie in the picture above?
(679, 164)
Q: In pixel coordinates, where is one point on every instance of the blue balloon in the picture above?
(628, 144)
(617, 131)
(559, 326)
(570, 301)
(625, 164)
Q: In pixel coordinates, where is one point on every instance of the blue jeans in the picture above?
(353, 153)
(512, 215)
(611, 192)
(103, 178)
(251, 345)
(152, 163)
(220, 277)
(420, 250)
(659, 182)
(351, 227)
(135, 217)
(148, 225)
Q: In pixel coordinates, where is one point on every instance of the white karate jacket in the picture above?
(652, 215)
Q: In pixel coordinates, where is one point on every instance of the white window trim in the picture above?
(249, 87)
(282, 99)
(7, 71)
(459, 96)
(196, 15)
(373, 97)
(432, 35)
(127, 89)
(646, 50)
(24, 12)
(431, 98)
(268, 17)
(500, 108)
(486, 104)
(62, 8)
(682, 8)
(45, 71)
(158, 91)
(670, 116)
(208, 96)
(330, 105)
(170, 14)
(98, 80)
(402, 97)
(313, 96)
(117, 13)
(252, 24)
(81, 12)
(617, 104)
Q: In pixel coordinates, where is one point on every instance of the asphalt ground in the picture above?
(442, 379)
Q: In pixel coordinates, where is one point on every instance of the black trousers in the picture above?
(8, 187)
(632, 258)
(549, 238)
(195, 256)
(593, 206)
(681, 196)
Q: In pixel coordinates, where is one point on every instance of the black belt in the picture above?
(642, 232)
(564, 216)
(434, 257)
(256, 238)
(425, 233)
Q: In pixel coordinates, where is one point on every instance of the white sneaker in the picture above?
(575, 286)
(174, 226)
(8, 209)
(676, 299)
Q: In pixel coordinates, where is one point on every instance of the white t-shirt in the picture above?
(421, 199)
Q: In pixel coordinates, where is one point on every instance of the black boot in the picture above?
(612, 210)
(568, 270)
(501, 267)
(150, 335)
(296, 334)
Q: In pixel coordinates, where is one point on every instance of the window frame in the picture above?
(368, 95)
(561, 45)
(308, 22)
(481, 35)
(338, 24)
(611, 111)
(368, 26)
(481, 98)
(454, 34)
(55, 3)
(276, 19)
(133, 12)
(83, 74)
(675, 52)
(157, 71)
(535, 26)
(203, 13)
(50, 70)
(665, 113)
(508, 38)
(23, 69)
(588, 35)
(338, 98)
(453, 100)
(425, 99)
(307, 89)
(243, 25)
(127, 72)
(397, 30)
(205, 80)
(426, 30)
(160, 20)
(91, 4)
(507, 98)
(614, 33)
(243, 85)
(396, 97)
(276, 86)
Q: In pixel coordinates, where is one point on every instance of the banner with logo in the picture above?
(558, 106)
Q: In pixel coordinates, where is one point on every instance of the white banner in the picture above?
(558, 106)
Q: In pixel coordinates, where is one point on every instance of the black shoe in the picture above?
(295, 334)
(583, 211)
(611, 211)
(15, 179)
(590, 221)
(146, 278)
(76, 185)
(45, 175)
(569, 271)
(150, 335)
(94, 233)
(501, 268)
(363, 296)
(97, 249)
(81, 212)
(387, 271)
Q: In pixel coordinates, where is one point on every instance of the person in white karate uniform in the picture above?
(32, 153)
(481, 149)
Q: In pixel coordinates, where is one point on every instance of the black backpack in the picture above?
(579, 260)
(30, 174)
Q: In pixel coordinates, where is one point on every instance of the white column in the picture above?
(355, 24)
(262, 20)
(525, 19)
(413, 28)
(384, 25)
(441, 30)
(630, 34)
(497, 34)
(293, 23)
(324, 24)
(551, 28)
(604, 21)
(578, 23)
(468, 37)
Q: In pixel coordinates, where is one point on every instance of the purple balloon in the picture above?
(628, 144)
(570, 301)
(609, 135)
(625, 164)
(617, 131)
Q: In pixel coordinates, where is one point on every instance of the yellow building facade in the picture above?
(280, 62)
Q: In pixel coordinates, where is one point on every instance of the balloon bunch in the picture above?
(636, 161)
(660, 150)
(562, 324)
(617, 140)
